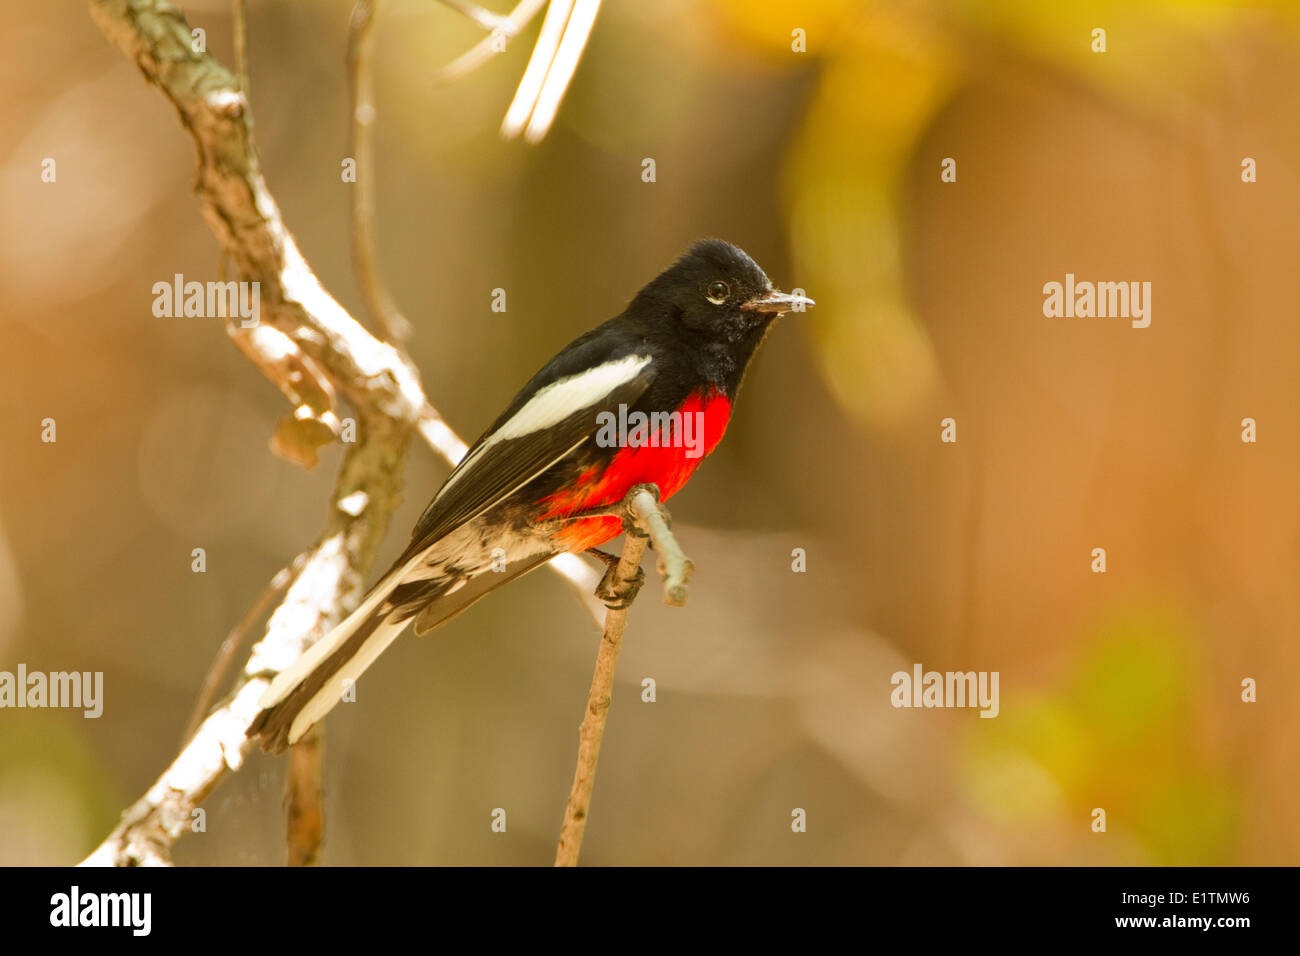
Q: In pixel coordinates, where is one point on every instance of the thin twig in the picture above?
(483, 17)
(385, 317)
(674, 566)
(305, 813)
(241, 51)
(550, 71)
(592, 731)
(562, 69)
(530, 84)
(644, 521)
(490, 45)
(220, 667)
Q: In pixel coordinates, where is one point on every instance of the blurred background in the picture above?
(1119, 690)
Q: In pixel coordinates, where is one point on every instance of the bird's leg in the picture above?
(615, 593)
(609, 560)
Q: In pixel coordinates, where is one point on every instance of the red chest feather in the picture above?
(665, 452)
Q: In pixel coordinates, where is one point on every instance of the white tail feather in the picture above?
(332, 690)
(329, 695)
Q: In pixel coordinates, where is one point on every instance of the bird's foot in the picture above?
(615, 593)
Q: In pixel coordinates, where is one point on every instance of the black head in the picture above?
(719, 304)
(716, 292)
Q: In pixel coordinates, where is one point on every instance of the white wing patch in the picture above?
(558, 401)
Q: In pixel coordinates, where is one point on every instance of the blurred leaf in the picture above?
(1134, 683)
(767, 24)
(1116, 737)
(55, 799)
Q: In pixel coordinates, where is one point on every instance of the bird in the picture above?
(641, 399)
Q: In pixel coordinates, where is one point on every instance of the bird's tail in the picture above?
(309, 688)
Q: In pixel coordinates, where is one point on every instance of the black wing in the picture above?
(492, 470)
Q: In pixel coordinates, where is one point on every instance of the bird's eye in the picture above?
(718, 292)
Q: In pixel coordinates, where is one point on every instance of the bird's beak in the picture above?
(778, 301)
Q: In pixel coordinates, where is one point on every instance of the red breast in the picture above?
(668, 464)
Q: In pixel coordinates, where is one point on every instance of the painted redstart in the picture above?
(640, 399)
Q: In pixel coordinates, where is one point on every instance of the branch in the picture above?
(565, 32)
(240, 210)
(306, 819)
(309, 346)
(329, 583)
(241, 49)
(313, 422)
(674, 566)
(483, 17)
(490, 45)
(387, 320)
(566, 28)
(217, 672)
(644, 520)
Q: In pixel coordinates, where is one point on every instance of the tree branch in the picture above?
(308, 345)
(217, 672)
(242, 213)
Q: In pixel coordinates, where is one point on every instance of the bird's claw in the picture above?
(616, 593)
